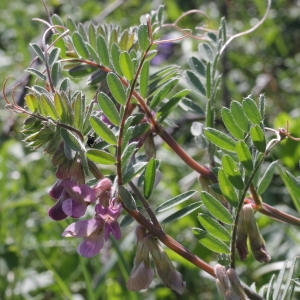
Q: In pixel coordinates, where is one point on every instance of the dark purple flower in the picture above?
(72, 199)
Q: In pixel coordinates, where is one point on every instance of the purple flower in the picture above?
(72, 199)
(80, 197)
(95, 231)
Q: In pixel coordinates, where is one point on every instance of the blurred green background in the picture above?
(35, 261)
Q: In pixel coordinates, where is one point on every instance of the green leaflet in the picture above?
(227, 188)
(144, 77)
(244, 155)
(32, 102)
(102, 50)
(231, 125)
(163, 92)
(126, 65)
(239, 115)
(258, 138)
(127, 198)
(175, 201)
(100, 157)
(182, 212)
(210, 242)
(103, 131)
(80, 46)
(232, 172)
(251, 111)
(109, 109)
(206, 52)
(133, 171)
(149, 178)
(195, 83)
(197, 66)
(167, 108)
(214, 227)
(143, 37)
(216, 208)
(220, 139)
(116, 88)
(266, 178)
(72, 140)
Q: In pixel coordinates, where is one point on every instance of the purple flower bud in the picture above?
(165, 269)
(102, 186)
(257, 243)
(142, 274)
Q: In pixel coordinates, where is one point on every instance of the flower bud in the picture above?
(257, 243)
(236, 285)
(241, 237)
(102, 186)
(228, 284)
(141, 275)
(165, 269)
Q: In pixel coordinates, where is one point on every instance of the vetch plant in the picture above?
(115, 131)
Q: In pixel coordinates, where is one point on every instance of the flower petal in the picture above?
(140, 278)
(112, 227)
(56, 190)
(56, 213)
(91, 245)
(74, 208)
(82, 228)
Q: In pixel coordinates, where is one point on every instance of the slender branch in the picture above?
(120, 137)
(145, 204)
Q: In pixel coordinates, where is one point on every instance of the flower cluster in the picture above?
(72, 199)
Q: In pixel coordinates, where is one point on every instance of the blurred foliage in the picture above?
(35, 262)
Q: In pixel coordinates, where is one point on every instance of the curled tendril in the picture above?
(174, 25)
